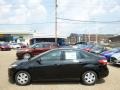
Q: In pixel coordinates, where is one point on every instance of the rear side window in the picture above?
(70, 55)
(46, 45)
(83, 55)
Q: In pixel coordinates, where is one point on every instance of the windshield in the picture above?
(38, 56)
(36, 46)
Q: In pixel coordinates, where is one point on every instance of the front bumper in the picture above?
(11, 75)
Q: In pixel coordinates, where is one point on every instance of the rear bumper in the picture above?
(103, 72)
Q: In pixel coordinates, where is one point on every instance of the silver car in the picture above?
(115, 58)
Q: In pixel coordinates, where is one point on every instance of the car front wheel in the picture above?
(22, 78)
(89, 78)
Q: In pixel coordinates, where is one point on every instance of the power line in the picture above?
(90, 21)
(29, 23)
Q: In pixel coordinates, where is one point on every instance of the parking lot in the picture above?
(112, 82)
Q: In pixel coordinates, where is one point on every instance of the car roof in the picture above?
(67, 49)
(46, 43)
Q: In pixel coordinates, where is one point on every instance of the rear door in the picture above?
(71, 64)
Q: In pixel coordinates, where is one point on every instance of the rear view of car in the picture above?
(109, 53)
(4, 47)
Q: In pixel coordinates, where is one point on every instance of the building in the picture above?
(18, 36)
(96, 38)
(115, 39)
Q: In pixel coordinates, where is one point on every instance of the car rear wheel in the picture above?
(22, 78)
(27, 56)
(89, 78)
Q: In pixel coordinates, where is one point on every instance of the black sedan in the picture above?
(59, 64)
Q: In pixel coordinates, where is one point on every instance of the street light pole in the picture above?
(56, 21)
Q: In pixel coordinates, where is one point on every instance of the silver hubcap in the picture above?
(89, 77)
(22, 78)
(27, 56)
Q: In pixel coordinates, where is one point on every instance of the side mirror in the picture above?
(38, 61)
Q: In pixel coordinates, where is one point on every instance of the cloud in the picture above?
(86, 10)
(34, 11)
(22, 11)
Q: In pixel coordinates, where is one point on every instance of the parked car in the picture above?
(4, 47)
(14, 45)
(59, 64)
(22, 45)
(115, 58)
(97, 49)
(109, 53)
(79, 46)
(83, 43)
(88, 47)
(35, 49)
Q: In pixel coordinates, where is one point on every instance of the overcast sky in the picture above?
(39, 15)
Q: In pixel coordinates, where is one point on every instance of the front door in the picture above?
(48, 68)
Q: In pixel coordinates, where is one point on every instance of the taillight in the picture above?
(103, 61)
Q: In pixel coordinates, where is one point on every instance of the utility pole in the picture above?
(89, 37)
(56, 21)
(96, 36)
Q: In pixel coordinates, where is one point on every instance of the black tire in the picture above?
(22, 78)
(27, 56)
(89, 78)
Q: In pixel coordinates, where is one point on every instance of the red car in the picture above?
(22, 45)
(35, 49)
(4, 47)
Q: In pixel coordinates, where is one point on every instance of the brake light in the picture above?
(103, 62)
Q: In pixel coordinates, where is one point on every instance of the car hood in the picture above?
(105, 52)
(24, 49)
(20, 62)
(116, 55)
(109, 54)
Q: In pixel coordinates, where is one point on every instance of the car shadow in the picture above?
(63, 82)
(55, 82)
(115, 65)
(100, 81)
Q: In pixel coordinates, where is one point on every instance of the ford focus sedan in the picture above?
(59, 64)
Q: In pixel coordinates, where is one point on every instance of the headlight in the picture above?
(12, 66)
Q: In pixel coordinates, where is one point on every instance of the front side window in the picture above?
(51, 56)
